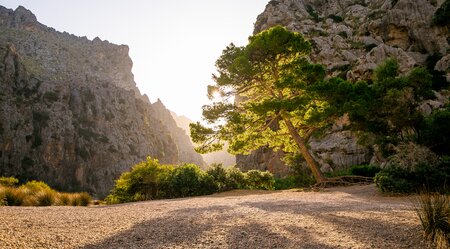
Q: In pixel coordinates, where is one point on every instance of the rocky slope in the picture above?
(351, 37)
(186, 152)
(70, 111)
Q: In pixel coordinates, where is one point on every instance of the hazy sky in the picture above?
(173, 43)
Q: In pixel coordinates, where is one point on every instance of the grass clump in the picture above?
(37, 193)
(8, 181)
(434, 214)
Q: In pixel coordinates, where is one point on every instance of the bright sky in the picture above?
(173, 43)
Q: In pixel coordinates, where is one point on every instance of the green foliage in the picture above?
(36, 186)
(235, 179)
(260, 180)
(436, 133)
(312, 12)
(442, 14)
(364, 170)
(51, 96)
(8, 181)
(219, 176)
(41, 118)
(398, 180)
(336, 18)
(271, 79)
(190, 180)
(145, 181)
(286, 183)
(150, 180)
(434, 214)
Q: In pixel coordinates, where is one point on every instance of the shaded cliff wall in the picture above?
(70, 111)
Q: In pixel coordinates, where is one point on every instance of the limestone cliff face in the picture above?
(351, 37)
(70, 111)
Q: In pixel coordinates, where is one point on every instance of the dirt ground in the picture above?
(345, 217)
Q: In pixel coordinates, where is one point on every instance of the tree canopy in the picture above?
(267, 98)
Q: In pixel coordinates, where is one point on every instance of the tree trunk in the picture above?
(304, 150)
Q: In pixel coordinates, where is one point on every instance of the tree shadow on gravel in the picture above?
(174, 228)
(257, 235)
(368, 230)
(187, 228)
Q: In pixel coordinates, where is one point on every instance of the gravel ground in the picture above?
(350, 217)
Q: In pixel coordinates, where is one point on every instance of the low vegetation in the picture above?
(150, 180)
(36, 193)
(434, 214)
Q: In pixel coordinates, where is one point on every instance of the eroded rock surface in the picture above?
(70, 112)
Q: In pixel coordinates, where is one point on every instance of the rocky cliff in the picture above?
(70, 111)
(351, 37)
(186, 151)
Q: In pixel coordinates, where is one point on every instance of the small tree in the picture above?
(266, 98)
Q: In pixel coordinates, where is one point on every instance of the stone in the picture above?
(70, 112)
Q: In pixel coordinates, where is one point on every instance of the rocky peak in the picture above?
(70, 111)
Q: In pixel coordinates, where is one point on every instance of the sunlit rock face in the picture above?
(70, 111)
(350, 38)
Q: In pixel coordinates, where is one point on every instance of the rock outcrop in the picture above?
(351, 37)
(70, 112)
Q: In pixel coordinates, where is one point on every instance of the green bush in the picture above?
(442, 14)
(219, 176)
(235, 179)
(336, 18)
(286, 183)
(434, 214)
(432, 177)
(36, 186)
(259, 180)
(146, 180)
(190, 180)
(8, 181)
(364, 170)
(436, 133)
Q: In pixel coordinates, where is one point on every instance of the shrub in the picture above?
(235, 179)
(79, 199)
(219, 176)
(364, 170)
(63, 199)
(442, 14)
(146, 180)
(8, 181)
(45, 197)
(12, 196)
(336, 18)
(286, 183)
(36, 186)
(400, 180)
(36, 193)
(260, 180)
(189, 180)
(434, 214)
